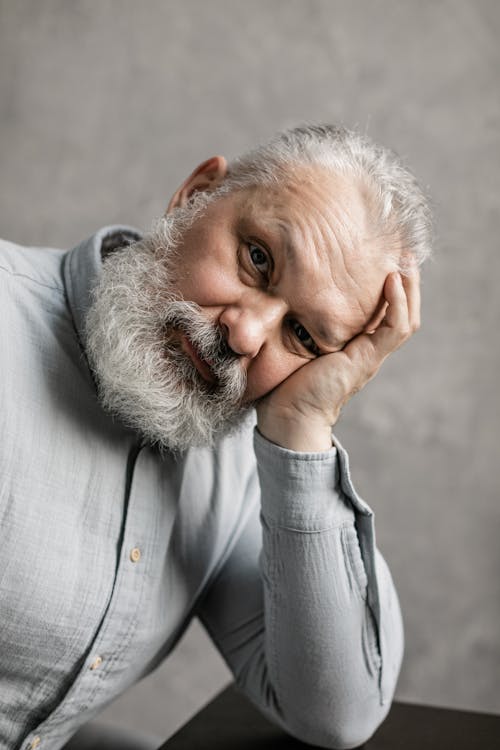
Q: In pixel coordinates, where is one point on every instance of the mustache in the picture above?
(208, 339)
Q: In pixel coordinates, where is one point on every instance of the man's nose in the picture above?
(248, 325)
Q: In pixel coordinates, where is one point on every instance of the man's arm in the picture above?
(315, 640)
(313, 635)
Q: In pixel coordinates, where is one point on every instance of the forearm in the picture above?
(333, 637)
(313, 634)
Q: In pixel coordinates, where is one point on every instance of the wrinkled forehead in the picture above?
(323, 227)
(329, 215)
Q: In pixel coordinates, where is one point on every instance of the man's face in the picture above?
(202, 318)
(286, 275)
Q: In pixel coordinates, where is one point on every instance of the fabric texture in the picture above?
(109, 548)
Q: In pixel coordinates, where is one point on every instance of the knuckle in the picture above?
(371, 368)
(345, 381)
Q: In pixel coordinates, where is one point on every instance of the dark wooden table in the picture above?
(229, 722)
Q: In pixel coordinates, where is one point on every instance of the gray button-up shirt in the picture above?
(108, 549)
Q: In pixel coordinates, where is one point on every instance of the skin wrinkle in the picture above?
(321, 278)
(329, 244)
(273, 268)
(317, 290)
(316, 274)
(290, 240)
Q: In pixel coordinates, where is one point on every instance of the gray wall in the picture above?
(105, 106)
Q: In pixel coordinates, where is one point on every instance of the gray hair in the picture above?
(400, 210)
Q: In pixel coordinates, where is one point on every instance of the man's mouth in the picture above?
(203, 366)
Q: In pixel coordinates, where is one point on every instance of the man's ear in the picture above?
(207, 176)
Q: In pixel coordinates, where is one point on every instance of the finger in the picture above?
(397, 313)
(368, 351)
(411, 284)
(366, 354)
(377, 318)
(394, 329)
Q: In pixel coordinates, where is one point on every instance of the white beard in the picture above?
(132, 341)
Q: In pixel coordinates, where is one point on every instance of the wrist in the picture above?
(295, 434)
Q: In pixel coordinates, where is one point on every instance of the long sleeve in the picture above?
(311, 626)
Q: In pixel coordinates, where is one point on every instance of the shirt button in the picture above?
(96, 663)
(35, 742)
(135, 554)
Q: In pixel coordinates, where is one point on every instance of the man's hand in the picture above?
(300, 412)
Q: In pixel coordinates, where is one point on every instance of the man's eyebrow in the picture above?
(281, 228)
(287, 242)
(325, 337)
(267, 231)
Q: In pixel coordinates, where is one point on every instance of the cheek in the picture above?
(206, 281)
(206, 289)
(268, 370)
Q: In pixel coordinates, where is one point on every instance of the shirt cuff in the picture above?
(302, 491)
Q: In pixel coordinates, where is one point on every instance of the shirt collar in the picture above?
(82, 267)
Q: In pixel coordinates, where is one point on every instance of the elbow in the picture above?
(356, 731)
(341, 730)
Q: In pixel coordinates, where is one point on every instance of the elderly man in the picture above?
(167, 452)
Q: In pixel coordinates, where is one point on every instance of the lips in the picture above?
(201, 365)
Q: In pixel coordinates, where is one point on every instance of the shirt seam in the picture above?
(16, 274)
(322, 530)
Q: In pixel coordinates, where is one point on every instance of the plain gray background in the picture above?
(105, 108)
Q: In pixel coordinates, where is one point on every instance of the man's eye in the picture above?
(304, 337)
(259, 259)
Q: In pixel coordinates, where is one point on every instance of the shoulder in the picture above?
(26, 266)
